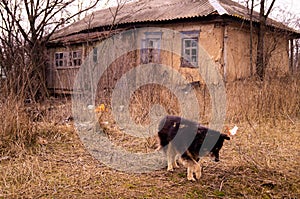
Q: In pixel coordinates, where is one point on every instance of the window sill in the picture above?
(66, 67)
(190, 66)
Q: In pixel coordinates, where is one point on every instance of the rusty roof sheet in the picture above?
(158, 10)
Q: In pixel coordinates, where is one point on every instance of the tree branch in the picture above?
(270, 9)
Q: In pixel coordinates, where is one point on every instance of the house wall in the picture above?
(238, 57)
(227, 46)
(277, 48)
(238, 52)
(61, 79)
(210, 40)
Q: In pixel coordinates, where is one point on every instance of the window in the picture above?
(95, 54)
(75, 58)
(189, 57)
(150, 51)
(68, 59)
(2, 73)
(59, 59)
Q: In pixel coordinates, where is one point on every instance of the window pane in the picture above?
(194, 59)
(194, 51)
(95, 54)
(151, 44)
(187, 51)
(187, 43)
(194, 43)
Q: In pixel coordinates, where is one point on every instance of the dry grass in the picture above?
(253, 165)
(275, 98)
(17, 132)
(260, 162)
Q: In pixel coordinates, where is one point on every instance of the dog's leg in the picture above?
(170, 157)
(190, 175)
(197, 170)
(190, 170)
(176, 166)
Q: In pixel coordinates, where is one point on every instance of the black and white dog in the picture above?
(185, 137)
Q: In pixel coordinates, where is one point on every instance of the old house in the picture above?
(221, 27)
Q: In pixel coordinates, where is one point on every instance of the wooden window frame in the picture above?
(68, 59)
(150, 47)
(191, 37)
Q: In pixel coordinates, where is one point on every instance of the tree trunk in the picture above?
(251, 37)
(260, 60)
(260, 65)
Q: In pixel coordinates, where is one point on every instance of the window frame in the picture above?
(151, 54)
(185, 60)
(68, 59)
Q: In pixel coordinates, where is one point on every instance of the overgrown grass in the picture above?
(25, 126)
(251, 166)
(42, 156)
(17, 132)
(275, 98)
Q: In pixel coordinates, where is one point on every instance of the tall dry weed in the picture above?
(143, 100)
(17, 132)
(25, 126)
(247, 100)
(274, 98)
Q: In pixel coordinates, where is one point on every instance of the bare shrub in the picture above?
(274, 98)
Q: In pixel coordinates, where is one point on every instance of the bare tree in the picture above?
(260, 61)
(250, 11)
(292, 20)
(26, 26)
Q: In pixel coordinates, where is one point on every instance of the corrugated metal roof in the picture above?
(158, 10)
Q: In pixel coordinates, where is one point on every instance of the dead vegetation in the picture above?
(41, 155)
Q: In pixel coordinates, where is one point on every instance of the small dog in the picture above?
(185, 137)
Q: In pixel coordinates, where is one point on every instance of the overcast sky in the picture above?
(292, 6)
(281, 10)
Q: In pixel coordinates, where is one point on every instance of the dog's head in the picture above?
(223, 136)
(214, 153)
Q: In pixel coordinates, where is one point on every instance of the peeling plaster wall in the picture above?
(227, 46)
(238, 56)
